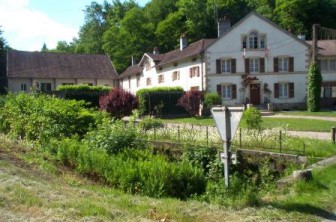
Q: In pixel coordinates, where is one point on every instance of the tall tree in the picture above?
(3, 50)
(44, 48)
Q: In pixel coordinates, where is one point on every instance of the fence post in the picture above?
(240, 138)
(280, 140)
(333, 134)
(207, 135)
(178, 133)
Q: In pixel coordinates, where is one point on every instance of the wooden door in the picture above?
(255, 94)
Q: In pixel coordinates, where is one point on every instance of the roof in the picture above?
(266, 20)
(326, 47)
(130, 71)
(59, 65)
(192, 50)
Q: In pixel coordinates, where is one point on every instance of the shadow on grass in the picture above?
(305, 208)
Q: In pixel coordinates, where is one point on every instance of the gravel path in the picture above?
(327, 118)
(311, 135)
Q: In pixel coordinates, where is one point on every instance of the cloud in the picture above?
(27, 29)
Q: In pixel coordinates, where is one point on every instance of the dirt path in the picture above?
(327, 118)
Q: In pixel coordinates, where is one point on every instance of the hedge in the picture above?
(160, 101)
(89, 94)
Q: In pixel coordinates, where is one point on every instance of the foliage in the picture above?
(252, 118)
(40, 117)
(211, 99)
(151, 98)
(149, 123)
(118, 103)
(3, 51)
(191, 102)
(314, 88)
(133, 171)
(114, 136)
(89, 94)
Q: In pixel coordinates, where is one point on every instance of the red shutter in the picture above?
(247, 66)
(233, 66)
(291, 64)
(219, 90)
(276, 90)
(234, 91)
(291, 90)
(262, 65)
(218, 66)
(276, 64)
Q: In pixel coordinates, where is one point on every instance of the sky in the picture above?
(28, 24)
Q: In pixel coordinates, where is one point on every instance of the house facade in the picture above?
(255, 61)
(47, 70)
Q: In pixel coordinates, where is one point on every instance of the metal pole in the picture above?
(227, 144)
(178, 133)
(333, 134)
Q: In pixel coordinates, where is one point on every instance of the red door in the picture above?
(255, 94)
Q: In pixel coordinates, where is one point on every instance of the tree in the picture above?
(314, 88)
(44, 48)
(191, 102)
(118, 103)
(3, 51)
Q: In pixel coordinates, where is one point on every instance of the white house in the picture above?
(255, 61)
(49, 70)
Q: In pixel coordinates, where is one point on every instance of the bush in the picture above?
(89, 94)
(42, 117)
(160, 101)
(150, 123)
(314, 88)
(253, 119)
(118, 103)
(114, 137)
(191, 102)
(211, 99)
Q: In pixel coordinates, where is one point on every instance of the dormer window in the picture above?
(254, 40)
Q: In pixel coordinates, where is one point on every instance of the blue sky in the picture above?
(27, 24)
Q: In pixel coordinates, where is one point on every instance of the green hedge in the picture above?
(160, 101)
(89, 94)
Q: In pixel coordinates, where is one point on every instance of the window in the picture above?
(283, 90)
(45, 87)
(226, 92)
(226, 66)
(23, 87)
(333, 65)
(262, 41)
(324, 64)
(194, 71)
(148, 81)
(328, 91)
(161, 79)
(254, 65)
(254, 40)
(283, 64)
(244, 42)
(176, 75)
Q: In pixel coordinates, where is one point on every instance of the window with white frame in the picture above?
(45, 87)
(23, 87)
(226, 91)
(161, 79)
(328, 91)
(194, 71)
(176, 75)
(254, 65)
(283, 64)
(333, 65)
(254, 40)
(226, 66)
(283, 90)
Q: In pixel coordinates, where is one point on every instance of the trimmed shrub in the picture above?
(191, 102)
(160, 99)
(41, 117)
(212, 99)
(90, 94)
(253, 119)
(118, 103)
(314, 88)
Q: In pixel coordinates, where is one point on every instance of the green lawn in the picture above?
(269, 122)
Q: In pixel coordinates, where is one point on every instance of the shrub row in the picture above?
(132, 170)
(41, 117)
(89, 94)
(160, 101)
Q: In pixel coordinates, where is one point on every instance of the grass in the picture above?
(31, 191)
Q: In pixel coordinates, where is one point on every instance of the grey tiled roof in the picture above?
(326, 47)
(130, 71)
(59, 65)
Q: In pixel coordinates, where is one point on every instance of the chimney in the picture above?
(133, 61)
(183, 41)
(156, 50)
(224, 24)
